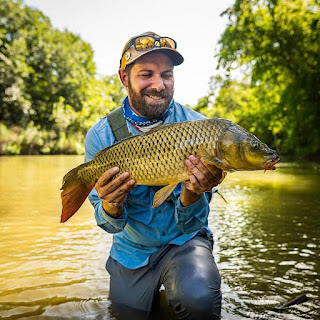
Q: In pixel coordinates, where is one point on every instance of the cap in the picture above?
(164, 45)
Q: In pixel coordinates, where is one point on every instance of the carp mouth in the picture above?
(270, 165)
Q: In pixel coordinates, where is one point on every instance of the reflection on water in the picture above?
(266, 244)
(267, 241)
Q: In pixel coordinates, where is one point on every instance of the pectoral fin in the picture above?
(163, 194)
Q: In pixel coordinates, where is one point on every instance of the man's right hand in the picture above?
(113, 191)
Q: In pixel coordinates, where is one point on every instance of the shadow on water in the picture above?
(266, 244)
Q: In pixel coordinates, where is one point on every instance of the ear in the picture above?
(124, 77)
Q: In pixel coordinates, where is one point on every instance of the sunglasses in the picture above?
(143, 43)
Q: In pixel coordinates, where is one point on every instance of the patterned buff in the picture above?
(143, 124)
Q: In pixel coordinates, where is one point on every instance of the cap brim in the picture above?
(173, 54)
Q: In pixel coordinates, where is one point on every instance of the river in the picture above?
(267, 244)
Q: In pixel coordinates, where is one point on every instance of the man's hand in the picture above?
(113, 191)
(202, 177)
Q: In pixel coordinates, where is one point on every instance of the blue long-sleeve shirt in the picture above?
(142, 230)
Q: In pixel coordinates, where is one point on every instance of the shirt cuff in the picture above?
(192, 218)
(195, 209)
(116, 223)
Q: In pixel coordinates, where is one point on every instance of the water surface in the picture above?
(267, 244)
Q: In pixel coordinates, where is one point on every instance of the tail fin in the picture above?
(75, 191)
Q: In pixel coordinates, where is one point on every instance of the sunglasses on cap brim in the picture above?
(144, 43)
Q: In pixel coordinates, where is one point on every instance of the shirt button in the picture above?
(163, 234)
(159, 211)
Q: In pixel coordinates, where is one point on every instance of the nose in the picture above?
(158, 83)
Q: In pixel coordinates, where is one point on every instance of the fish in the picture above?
(157, 158)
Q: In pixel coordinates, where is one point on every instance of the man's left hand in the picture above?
(202, 177)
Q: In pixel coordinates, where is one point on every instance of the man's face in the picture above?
(151, 85)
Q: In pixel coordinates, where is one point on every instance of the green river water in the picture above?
(267, 244)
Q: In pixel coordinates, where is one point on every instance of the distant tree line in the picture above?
(269, 73)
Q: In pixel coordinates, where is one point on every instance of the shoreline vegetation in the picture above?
(267, 80)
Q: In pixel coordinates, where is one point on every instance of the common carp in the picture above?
(157, 158)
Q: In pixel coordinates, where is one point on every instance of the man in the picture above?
(170, 244)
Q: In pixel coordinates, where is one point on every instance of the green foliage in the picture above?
(33, 140)
(274, 45)
(39, 65)
(49, 93)
(102, 96)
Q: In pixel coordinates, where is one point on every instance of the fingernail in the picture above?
(188, 162)
(126, 174)
(115, 169)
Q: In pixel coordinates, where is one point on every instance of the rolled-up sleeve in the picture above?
(106, 222)
(193, 217)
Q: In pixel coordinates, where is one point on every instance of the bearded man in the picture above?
(170, 245)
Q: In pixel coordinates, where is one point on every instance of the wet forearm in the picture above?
(114, 210)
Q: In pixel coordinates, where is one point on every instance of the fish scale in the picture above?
(158, 158)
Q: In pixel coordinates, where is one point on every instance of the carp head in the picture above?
(241, 150)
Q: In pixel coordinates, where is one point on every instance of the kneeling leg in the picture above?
(192, 282)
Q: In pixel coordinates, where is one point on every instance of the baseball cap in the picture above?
(147, 42)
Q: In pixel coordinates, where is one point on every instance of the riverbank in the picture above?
(34, 141)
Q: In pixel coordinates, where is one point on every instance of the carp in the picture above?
(157, 158)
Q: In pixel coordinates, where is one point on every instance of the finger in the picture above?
(201, 166)
(107, 176)
(193, 185)
(117, 182)
(212, 174)
(116, 198)
(215, 172)
(104, 189)
(114, 184)
(198, 169)
(119, 195)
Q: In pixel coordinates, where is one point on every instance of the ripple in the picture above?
(304, 266)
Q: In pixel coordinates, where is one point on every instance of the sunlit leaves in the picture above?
(49, 92)
(275, 89)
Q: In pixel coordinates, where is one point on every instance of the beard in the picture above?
(149, 110)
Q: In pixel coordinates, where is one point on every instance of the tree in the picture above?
(38, 66)
(275, 46)
(49, 92)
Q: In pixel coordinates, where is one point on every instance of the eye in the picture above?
(146, 75)
(255, 144)
(167, 75)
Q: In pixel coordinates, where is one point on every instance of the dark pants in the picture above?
(188, 273)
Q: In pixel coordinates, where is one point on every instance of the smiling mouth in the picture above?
(155, 97)
(271, 164)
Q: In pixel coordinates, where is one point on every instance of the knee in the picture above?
(199, 304)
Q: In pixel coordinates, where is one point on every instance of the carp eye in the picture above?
(255, 144)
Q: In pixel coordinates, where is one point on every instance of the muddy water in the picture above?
(267, 244)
